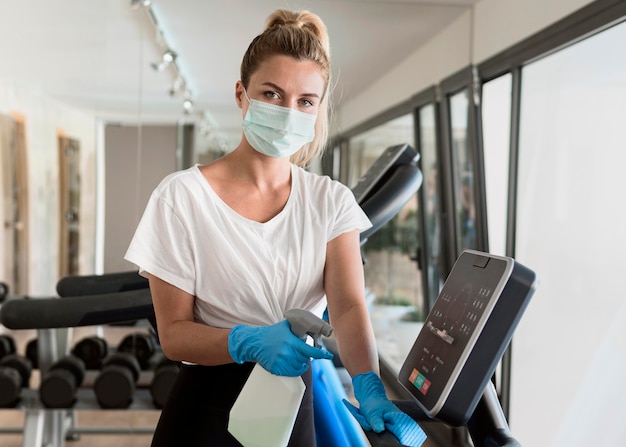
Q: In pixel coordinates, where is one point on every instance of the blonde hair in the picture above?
(303, 36)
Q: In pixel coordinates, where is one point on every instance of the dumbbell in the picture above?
(91, 350)
(15, 373)
(4, 291)
(164, 377)
(59, 385)
(140, 345)
(7, 345)
(32, 352)
(115, 385)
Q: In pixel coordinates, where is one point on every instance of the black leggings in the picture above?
(196, 413)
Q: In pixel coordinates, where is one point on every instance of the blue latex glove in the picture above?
(274, 347)
(377, 412)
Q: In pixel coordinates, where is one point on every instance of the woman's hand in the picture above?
(378, 413)
(274, 347)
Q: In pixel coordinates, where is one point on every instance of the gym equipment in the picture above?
(91, 310)
(140, 345)
(388, 185)
(61, 382)
(96, 284)
(7, 345)
(165, 374)
(4, 291)
(466, 334)
(115, 385)
(32, 352)
(91, 350)
(15, 372)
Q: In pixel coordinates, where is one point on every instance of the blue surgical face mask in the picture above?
(277, 131)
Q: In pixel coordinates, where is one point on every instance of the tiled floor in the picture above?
(100, 420)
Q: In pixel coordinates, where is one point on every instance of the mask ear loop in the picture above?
(246, 95)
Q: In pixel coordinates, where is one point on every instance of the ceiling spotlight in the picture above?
(187, 106)
(139, 3)
(167, 58)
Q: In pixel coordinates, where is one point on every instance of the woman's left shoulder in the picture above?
(320, 182)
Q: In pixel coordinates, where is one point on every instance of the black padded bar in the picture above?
(91, 310)
(389, 199)
(100, 284)
(488, 426)
(384, 439)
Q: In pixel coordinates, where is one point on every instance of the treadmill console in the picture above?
(466, 334)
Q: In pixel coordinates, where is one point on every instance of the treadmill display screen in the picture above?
(452, 327)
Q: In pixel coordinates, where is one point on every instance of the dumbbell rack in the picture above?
(44, 426)
(50, 427)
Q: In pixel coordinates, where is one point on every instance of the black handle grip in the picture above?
(91, 310)
(389, 199)
(100, 284)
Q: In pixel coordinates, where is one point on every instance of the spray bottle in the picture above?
(266, 409)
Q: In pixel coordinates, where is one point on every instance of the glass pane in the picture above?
(432, 197)
(569, 353)
(462, 172)
(393, 283)
(496, 117)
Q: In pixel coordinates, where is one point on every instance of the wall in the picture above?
(497, 24)
(136, 160)
(44, 117)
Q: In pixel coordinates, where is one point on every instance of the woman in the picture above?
(228, 247)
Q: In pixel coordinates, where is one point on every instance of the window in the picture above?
(569, 359)
(432, 200)
(496, 118)
(462, 171)
(393, 284)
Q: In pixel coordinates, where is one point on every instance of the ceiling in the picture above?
(97, 55)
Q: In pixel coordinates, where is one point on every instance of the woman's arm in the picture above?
(345, 291)
(181, 338)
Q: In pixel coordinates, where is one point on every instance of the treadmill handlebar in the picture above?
(496, 435)
(89, 310)
(388, 200)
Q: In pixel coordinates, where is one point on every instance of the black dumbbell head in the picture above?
(32, 352)
(165, 375)
(115, 385)
(74, 365)
(4, 291)
(10, 387)
(125, 360)
(21, 364)
(92, 350)
(59, 386)
(139, 344)
(15, 373)
(7, 345)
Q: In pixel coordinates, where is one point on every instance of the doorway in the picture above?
(14, 212)
(69, 198)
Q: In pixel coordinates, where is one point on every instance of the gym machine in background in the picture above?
(459, 378)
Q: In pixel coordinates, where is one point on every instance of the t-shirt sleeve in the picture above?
(349, 215)
(161, 245)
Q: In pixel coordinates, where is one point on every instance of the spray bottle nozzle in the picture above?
(305, 323)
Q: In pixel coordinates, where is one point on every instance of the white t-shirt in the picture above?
(242, 271)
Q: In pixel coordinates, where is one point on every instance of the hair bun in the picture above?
(300, 19)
